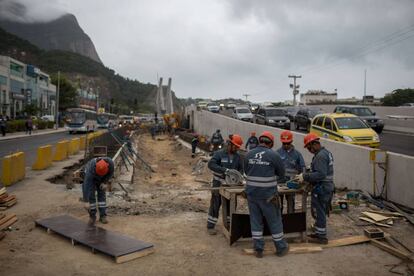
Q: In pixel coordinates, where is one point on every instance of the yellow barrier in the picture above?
(61, 152)
(82, 143)
(73, 146)
(13, 168)
(44, 158)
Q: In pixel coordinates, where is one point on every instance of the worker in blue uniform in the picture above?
(216, 140)
(321, 178)
(252, 142)
(222, 161)
(293, 162)
(263, 167)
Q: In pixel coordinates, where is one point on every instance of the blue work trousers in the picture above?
(258, 209)
(320, 203)
(90, 188)
(215, 203)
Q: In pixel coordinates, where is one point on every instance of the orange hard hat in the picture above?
(268, 135)
(286, 136)
(102, 167)
(310, 138)
(236, 140)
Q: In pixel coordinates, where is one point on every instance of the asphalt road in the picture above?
(390, 141)
(30, 144)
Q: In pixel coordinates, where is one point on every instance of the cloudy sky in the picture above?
(226, 48)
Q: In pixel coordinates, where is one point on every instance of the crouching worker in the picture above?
(263, 167)
(97, 172)
(222, 161)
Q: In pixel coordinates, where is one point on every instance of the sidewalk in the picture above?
(22, 134)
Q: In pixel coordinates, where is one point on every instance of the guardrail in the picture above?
(352, 164)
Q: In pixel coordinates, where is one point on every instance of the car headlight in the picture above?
(287, 121)
(375, 138)
(347, 138)
(271, 121)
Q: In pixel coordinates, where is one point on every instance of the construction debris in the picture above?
(7, 220)
(6, 200)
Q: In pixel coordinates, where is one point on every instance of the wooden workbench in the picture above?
(237, 224)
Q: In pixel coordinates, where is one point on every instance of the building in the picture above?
(87, 99)
(24, 84)
(317, 97)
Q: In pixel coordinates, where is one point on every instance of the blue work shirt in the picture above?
(292, 160)
(322, 172)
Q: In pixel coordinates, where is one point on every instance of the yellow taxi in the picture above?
(345, 128)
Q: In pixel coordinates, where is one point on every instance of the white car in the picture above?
(49, 118)
(243, 113)
(213, 107)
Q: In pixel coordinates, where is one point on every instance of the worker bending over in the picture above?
(262, 167)
(321, 179)
(222, 161)
(97, 171)
(292, 160)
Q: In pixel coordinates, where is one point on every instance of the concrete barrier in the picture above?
(61, 151)
(13, 168)
(82, 143)
(352, 165)
(73, 146)
(44, 158)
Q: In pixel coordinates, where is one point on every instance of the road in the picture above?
(30, 144)
(390, 141)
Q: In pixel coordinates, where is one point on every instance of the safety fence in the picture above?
(385, 174)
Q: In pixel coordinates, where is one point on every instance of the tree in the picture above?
(31, 109)
(67, 94)
(399, 97)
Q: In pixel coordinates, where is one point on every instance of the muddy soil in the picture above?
(166, 209)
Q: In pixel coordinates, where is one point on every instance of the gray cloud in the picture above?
(226, 48)
(31, 11)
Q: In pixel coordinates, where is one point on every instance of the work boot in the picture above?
(103, 220)
(91, 221)
(282, 252)
(211, 231)
(315, 238)
(258, 253)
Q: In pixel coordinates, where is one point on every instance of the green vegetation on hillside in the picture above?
(399, 97)
(120, 93)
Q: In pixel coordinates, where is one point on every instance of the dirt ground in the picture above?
(166, 209)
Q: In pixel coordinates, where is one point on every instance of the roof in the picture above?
(337, 115)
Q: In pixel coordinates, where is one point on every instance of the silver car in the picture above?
(243, 113)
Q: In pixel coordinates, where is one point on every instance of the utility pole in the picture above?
(246, 95)
(294, 87)
(365, 86)
(57, 102)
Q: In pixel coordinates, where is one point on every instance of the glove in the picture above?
(299, 178)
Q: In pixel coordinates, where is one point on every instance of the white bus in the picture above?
(106, 120)
(80, 120)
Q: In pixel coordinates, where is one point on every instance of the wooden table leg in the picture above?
(304, 209)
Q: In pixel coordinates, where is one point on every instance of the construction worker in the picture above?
(252, 142)
(97, 171)
(262, 167)
(194, 143)
(222, 161)
(293, 162)
(216, 140)
(321, 179)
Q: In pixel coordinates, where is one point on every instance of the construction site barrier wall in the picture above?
(61, 151)
(44, 158)
(74, 145)
(13, 168)
(352, 164)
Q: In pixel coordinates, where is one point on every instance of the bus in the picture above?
(80, 120)
(106, 120)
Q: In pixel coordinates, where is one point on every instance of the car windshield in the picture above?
(350, 123)
(76, 117)
(211, 104)
(275, 112)
(314, 112)
(242, 110)
(361, 111)
(103, 119)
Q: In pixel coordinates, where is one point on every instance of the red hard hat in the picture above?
(268, 135)
(236, 140)
(102, 167)
(310, 138)
(286, 136)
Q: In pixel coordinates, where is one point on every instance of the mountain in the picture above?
(82, 71)
(63, 33)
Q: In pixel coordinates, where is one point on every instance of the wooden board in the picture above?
(2, 235)
(6, 218)
(117, 246)
(9, 198)
(374, 216)
(374, 222)
(9, 203)
(292, 250)
(391, 250)
(8, 223)
(2, 190)
(3, 196)
(385, 213)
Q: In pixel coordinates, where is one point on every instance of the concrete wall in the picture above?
(352, 165)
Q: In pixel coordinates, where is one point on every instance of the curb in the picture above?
(33, 134)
